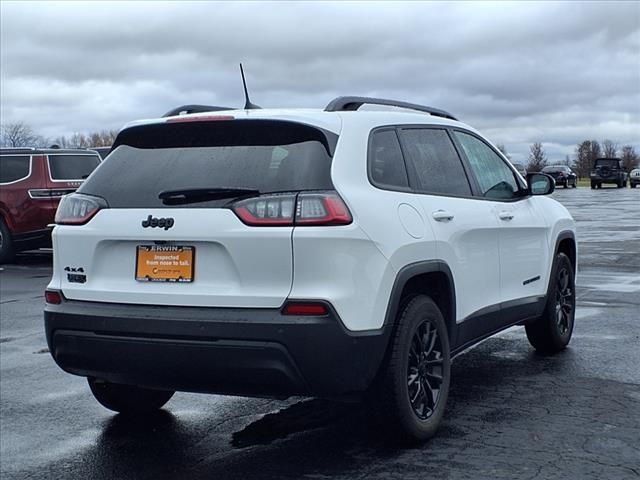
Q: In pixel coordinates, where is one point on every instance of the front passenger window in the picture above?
(496, 179)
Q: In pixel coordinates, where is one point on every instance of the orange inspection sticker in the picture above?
(164, 263)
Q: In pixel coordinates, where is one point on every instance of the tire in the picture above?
(593, 185)
(128, 398)
(410, 395)
(599, 185)
(624, 184)
(566, 185)
(575, 184)
(633, 185)
(7, 251)
(552, 331)
(619, 184)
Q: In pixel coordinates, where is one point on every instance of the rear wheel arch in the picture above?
(432, 278)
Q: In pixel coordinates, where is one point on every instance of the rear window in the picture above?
(72, 167)
(14, 167)
(269, 156)
(611, 163)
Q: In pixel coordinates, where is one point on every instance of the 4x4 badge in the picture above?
(154, 222)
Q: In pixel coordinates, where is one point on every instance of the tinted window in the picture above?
(611, 163)
(72, 167)
(386, 164)
(13, 167)
(554, 169)
(102, 151)
(496, 179)
(436, 162)
(262, 155)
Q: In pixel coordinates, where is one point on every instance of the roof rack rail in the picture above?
(186, 109)
(340, 104)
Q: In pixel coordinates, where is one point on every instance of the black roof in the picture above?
(44, 151)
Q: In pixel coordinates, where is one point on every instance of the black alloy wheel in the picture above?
(551, 332)
(7, 251)
(128, 399)
(424, 370)
(410, 394)
(565, 301)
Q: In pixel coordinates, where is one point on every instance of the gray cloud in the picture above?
(521, 72)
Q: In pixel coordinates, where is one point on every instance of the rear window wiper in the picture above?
(195, 195)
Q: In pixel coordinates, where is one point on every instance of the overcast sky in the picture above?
(520, 72)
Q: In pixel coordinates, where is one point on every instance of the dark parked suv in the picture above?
(32, 181)
(608, 170)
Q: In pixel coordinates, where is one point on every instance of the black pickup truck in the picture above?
(608, 170)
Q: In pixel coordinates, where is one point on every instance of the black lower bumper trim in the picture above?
(255, 352)
(32, 240)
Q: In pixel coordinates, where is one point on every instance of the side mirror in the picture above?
(540, 183)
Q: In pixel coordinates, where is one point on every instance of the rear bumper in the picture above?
(255, 352)
(600, 179)
(34, 239)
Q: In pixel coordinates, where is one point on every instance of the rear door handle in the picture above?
(504, 215)
(442, 216)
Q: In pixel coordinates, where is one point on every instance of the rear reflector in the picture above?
(305, 308)
(53, 297)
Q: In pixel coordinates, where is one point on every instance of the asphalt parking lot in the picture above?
(512, 414)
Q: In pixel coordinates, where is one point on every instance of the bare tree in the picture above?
(19, 134)
(630, 158)
(78, 140)
(104, 138)
(503, 150)
(586, 154)
(567, 160)
(609, 149)
(537, 158)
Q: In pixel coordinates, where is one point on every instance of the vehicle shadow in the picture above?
(315, 437)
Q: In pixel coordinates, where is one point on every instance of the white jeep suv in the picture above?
(336, 253)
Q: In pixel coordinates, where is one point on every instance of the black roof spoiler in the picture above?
(186, 109)
(341, 104)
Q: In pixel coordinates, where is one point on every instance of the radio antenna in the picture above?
(247, 105)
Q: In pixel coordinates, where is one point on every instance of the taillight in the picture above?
(303, 209)
(266, 210)
(321, 209)
(78, 209)
(46, 193)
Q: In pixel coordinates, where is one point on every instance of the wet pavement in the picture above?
(512, 414)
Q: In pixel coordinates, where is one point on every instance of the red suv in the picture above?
(32, 181)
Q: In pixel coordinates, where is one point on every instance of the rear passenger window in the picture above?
(72, 167)
(437, 164)
(386, 164)
(14, 167)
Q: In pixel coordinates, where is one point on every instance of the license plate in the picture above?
(164, 263)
